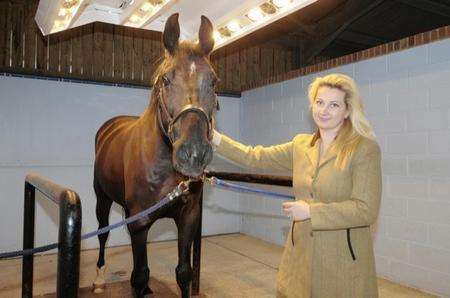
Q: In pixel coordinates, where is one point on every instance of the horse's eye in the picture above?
(166, 81)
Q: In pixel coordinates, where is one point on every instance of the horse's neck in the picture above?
(156, 151)
(151, 130)
(149, 117)
(150, 114)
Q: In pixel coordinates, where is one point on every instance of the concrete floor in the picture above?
(232, 265)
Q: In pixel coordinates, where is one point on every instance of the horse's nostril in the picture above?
(205, 153)
(196, 158)
(208, 155)
(183, 156)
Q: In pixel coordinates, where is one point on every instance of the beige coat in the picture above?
(332, 254)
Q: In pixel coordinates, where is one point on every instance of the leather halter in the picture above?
(189, 108)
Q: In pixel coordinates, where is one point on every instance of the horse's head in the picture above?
(185, 83)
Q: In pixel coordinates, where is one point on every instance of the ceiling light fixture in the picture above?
(65, 15)
(281, 3)
(262, 14)
(62, 12)
(217, 36)
(135, 18)
(146, 7)
(255, 14)
(143, 12)
(233, 26)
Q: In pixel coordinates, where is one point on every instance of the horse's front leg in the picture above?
(187, 224)
(141, 273)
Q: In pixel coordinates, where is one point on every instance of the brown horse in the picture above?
(138, 160)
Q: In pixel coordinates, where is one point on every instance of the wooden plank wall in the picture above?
(116, 54)
(95, 52)
(252, 65)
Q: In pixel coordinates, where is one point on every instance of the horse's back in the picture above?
(113, 128)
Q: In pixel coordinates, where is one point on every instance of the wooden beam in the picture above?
(429, 6)
(333, 26)
(361, 38)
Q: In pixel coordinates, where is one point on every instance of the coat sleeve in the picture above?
(277, 157)
(361, 209)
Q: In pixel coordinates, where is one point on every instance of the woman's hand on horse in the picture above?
(217, 138)
(298, 210)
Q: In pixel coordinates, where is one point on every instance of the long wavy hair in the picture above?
(356, 126)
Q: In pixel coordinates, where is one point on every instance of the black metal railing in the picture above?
(69, 237)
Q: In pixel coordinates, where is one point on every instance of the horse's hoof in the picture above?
(148, 291)
(145, 293)
(100, 283)
(98, 289)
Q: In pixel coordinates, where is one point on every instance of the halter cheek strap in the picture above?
(161, 125)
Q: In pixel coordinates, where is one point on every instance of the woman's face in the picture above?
(329, 109)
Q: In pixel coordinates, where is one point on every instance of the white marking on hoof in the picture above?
(192, 69)
(98, 290)
(99, 283)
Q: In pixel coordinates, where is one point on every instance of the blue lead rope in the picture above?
(247, 189)
(213, 181)
(164, 201)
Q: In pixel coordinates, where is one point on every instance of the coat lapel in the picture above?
(313, 154)
(329, 155)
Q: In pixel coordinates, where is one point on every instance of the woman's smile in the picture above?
(323, 118)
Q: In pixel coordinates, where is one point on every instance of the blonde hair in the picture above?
(356, 125)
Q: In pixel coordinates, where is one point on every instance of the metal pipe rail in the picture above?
(252, 178)
(69, 237)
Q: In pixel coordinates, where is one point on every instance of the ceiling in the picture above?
(320, 29)
(333, 28)
(119, 12)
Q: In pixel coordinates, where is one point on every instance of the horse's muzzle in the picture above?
(191, 159)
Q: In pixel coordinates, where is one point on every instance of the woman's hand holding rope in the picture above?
(298, 210)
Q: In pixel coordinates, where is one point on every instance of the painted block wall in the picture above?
(48, 127)
(407, 97)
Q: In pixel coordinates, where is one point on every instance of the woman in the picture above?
(337, 185)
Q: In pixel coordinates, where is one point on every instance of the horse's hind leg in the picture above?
(102, 211)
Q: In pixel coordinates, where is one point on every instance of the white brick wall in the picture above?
(407, 96)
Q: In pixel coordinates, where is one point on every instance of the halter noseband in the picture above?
(189, 108)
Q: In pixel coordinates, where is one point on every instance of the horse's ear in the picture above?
(171, 34)
(205, 36)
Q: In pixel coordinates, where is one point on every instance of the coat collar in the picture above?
(312, 151)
